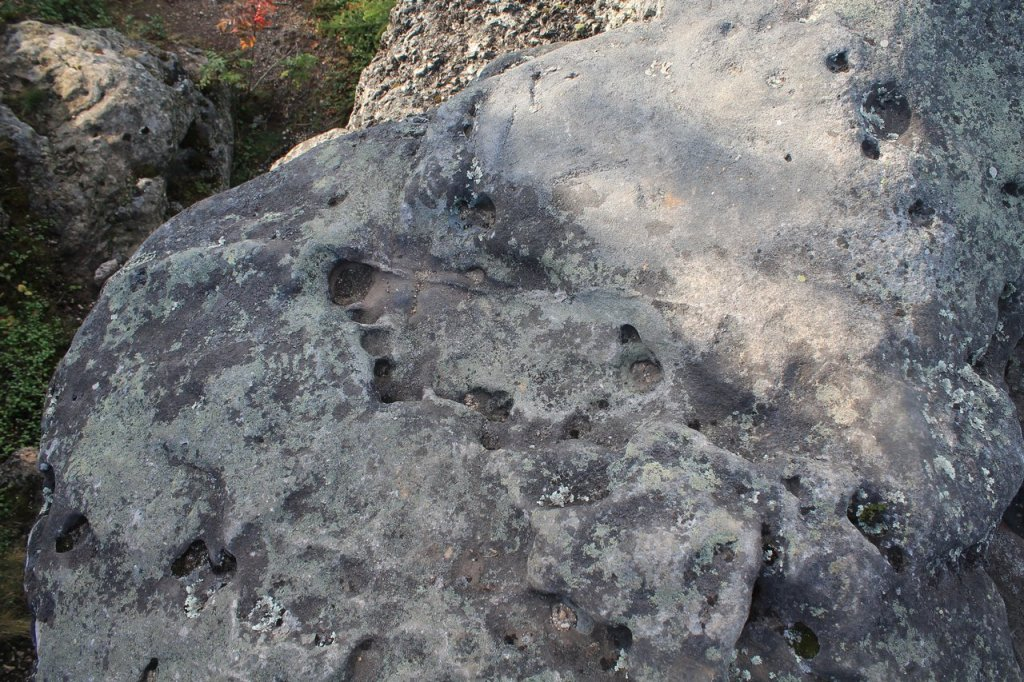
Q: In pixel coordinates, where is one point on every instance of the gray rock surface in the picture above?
(684, 352)
(105, 135)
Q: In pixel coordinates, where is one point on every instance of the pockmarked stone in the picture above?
(102, 138)
(690, 351)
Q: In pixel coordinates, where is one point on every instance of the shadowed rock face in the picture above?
(103, 138)
(684, 352)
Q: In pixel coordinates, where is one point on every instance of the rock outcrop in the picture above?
(432, 49)
(688, 351)
(103, 138)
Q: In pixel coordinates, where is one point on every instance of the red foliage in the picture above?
(245, 18)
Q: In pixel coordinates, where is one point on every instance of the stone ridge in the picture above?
(689, 351)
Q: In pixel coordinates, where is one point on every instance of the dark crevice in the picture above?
(363, 661)
(876, 518)
(869, 148)
(792, 484)
(496, 406)
(838, 62)
(197, 556)
(628, 334)
(886, 110)
(1003, 348)
(920, 214)
(576, 426)
(803, 640)
(194, 556)
(74, 529)
(149, 672)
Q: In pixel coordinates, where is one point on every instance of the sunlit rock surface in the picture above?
(684, 352)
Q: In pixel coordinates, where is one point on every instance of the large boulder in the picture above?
(104, 138)
(684, 352)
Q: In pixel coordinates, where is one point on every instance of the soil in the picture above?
(274, 112)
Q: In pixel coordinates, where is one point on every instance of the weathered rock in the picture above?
(433, 49)
(676, 353)
(102, 133)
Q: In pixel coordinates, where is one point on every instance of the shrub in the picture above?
(31, 342)
(88, 13)
(359, 24)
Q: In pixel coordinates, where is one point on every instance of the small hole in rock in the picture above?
(621, 636)
(510, 639)
(144, 130)
(1013, 189)
(490, 441)
(869, 148)
(127, 137)
(788, 157)
(382, 368)
(803, 641)
(575, 426)
(496, 406)
(149, 672)
(628, 334)
(350, 282)
(645, 374)
(49, 476)
(792, 485)
(601, 404)
(482, 202)
(194, 556)
(920, 214)
(886, 110)
(838, 62)
(226, 563)
(74, 528)
(363, 315)
(896, 558)
(694, 424)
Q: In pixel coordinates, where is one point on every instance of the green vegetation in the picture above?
(274, 105)
(299, 69)
(32, 340)
(803, 641)
(33, 333)
(358, 24)
(28, 102)
(225, 69)
(151, 28)
(88, 13)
